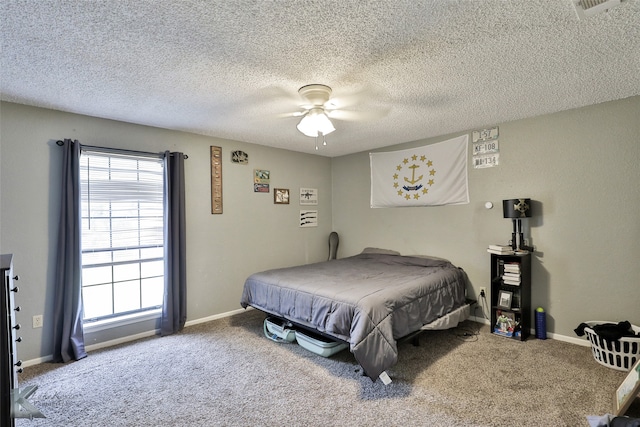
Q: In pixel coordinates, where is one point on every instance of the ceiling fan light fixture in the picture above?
(315, 122)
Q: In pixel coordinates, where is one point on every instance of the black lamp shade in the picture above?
(516, 208)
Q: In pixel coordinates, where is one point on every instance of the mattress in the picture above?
(368, 300)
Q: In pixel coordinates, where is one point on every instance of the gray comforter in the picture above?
(369, 300)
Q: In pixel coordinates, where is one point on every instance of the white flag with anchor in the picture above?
(432, 175)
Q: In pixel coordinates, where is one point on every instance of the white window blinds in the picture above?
(122, 233)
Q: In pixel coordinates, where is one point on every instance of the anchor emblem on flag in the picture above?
(414, 188)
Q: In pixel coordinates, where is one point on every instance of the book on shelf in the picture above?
(500, 247)
(509, 275)
(512, 267)
(515, 301)
(511, 282)
(501, 251)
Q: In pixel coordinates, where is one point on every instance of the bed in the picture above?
(370, 300)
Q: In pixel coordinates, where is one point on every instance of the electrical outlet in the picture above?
(37, 321)
(483, 292)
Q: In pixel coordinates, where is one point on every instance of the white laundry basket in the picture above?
(621, 354)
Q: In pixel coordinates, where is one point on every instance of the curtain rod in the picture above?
(60, 143)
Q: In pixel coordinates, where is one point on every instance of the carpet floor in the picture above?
(226, 373)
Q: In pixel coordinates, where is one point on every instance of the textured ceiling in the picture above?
(401, 70)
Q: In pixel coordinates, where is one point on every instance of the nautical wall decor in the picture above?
(431, 175)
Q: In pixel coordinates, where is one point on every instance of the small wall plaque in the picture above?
(239, 157)
(308, 218)
(261, 179)
(485, 134)
(308, 196)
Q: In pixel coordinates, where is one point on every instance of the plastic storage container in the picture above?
(278, 329)
(318, 344)
(621, 354)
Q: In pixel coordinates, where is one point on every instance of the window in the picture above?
(122, 234)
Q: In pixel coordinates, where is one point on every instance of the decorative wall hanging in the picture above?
(281, 196)
(239, 157)
(431, 175)
(308, 218)
(486, 148)
(260, 181)
(216, 180)
(485, 134)
(308, 196)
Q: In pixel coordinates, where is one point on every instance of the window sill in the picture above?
(115, 322)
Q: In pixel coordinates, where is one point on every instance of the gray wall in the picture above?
(251, 235)
(581, 169)
(580, 166)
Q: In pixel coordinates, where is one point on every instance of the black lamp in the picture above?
(516, 209)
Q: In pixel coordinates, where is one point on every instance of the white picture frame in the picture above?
(308, 196)
(308, 218)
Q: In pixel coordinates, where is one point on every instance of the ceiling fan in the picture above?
(315, 121)
(319, 108)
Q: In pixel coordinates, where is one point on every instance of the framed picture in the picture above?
(308, 218)
(261, 180)
(281, 196)
(628, 390)
(308, 196)
(504, 299)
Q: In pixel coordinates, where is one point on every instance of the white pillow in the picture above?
(380, 251)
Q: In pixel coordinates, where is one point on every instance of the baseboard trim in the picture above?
(111, 343)
(479, 320)
(216, 316)
(135, 337)
(572, 340)
(37, 361)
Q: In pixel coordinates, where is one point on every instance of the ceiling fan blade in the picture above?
(353, 115)
(278, 93)
(291, 114)
(360, 96)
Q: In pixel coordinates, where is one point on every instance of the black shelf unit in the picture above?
(512, 320)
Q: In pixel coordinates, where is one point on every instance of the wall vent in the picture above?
(587, 8)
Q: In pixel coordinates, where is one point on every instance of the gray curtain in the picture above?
(68, 334)
(174, 306)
